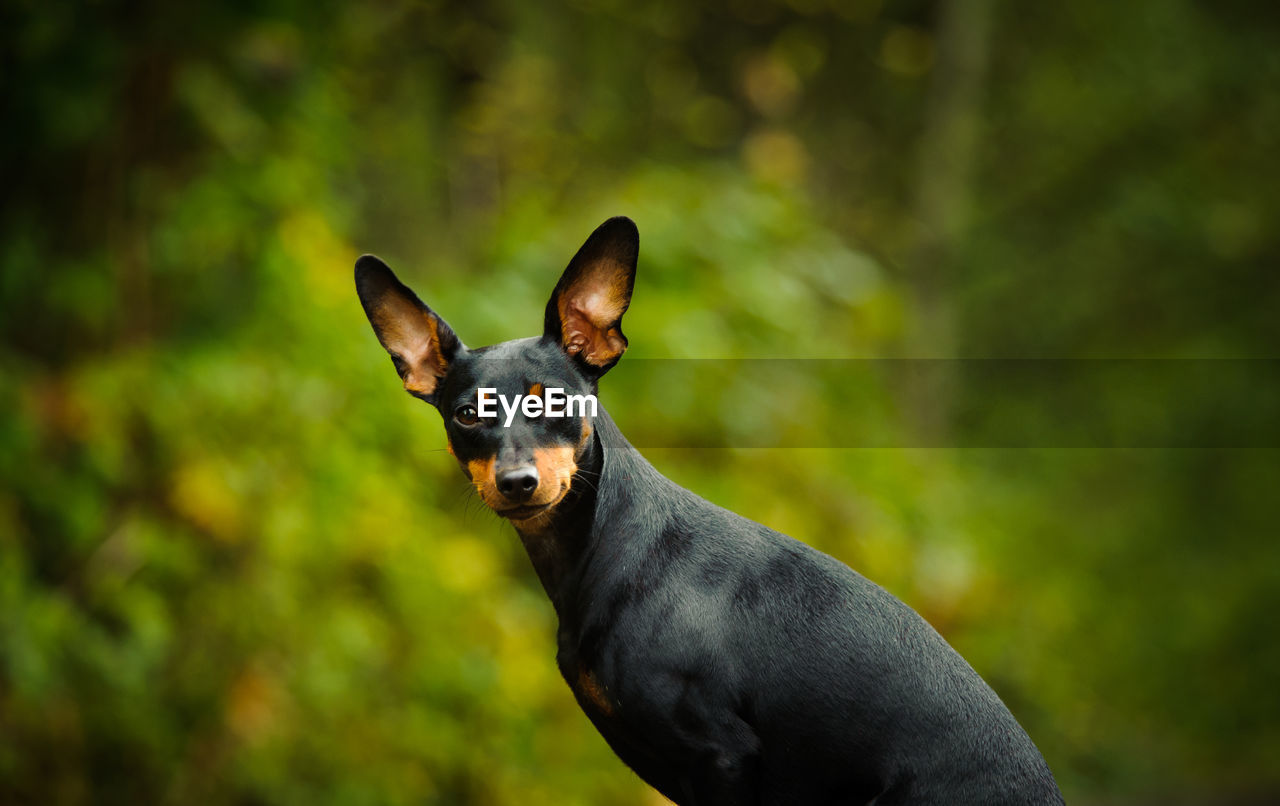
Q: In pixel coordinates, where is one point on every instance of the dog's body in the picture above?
(724, 662)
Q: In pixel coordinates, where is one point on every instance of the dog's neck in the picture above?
(612, 481)
(558, 544)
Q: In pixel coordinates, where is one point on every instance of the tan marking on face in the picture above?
(586, 434)
(536, 390)
(448, 446)
(555, 467)
(480, 471)
(589, 687)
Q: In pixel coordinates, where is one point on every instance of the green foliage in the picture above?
(236, 564)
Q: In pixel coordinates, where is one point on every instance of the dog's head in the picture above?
(518, 415)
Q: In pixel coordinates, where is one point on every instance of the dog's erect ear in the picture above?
(584, 315)
(420, 343)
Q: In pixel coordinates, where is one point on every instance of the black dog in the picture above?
(722, 661)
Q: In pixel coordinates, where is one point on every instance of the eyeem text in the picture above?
(553, 403)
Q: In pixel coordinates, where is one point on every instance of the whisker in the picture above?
(585, 481)
(461, 494)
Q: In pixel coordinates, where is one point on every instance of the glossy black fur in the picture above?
(728, 663)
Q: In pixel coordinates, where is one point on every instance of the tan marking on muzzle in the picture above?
(555, 466)
(480, 471)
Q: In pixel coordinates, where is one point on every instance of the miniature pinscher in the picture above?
(724, 662)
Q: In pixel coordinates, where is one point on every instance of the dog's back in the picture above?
(814, 684)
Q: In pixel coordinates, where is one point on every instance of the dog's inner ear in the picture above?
(585, 312)
(421, 344)
(590, 312)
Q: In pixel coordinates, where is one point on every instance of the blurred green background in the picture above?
(236, 565)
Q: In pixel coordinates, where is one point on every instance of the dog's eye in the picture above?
(466, 415)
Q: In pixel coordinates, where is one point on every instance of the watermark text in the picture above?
(552, 403)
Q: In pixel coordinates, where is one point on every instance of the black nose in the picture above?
(518, 483)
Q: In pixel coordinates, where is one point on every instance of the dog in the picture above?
(724, 662)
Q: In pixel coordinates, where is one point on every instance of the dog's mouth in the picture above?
(523, 513)
(533, 511)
